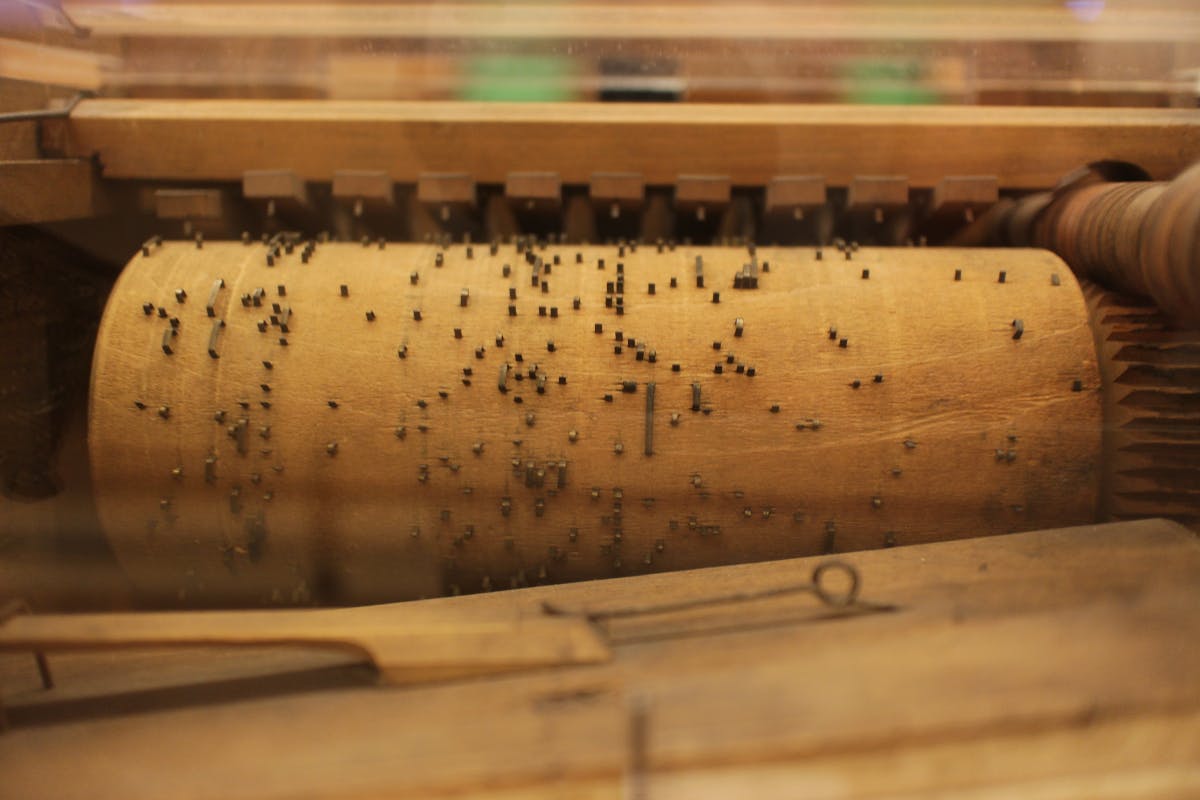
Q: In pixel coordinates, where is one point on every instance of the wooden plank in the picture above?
(50, 190)
(984, 682)
(1150, 755)
(56, 66)
(175, 140)
(862, 21)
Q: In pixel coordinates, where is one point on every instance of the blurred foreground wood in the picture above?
(1053, 664)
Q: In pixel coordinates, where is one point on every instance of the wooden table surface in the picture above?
(1057, 663)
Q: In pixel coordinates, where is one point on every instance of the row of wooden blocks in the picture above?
(785, 194)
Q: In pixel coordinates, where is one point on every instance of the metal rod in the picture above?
(650, 418)
(44, 113)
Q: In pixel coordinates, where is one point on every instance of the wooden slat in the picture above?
(861, 21)
(57, 66)
(33, 192)
(219, 140)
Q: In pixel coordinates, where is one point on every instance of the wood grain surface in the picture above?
(1051, 664)
(1026, 148)
(506, 437)
(37, 191)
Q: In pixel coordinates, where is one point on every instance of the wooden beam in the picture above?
(788, 192)
(757, 22)
(1026, 148)
(37, 191)
(58, 66)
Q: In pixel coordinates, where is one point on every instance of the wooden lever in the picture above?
(408, 644)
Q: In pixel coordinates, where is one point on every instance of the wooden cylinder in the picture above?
(345, 423)
(1139, 238)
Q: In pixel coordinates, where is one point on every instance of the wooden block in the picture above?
(864, 24)
(788, 192)
(364, 184)
(623, 187)
(51, 190)
(274, 184)
(57, 66)
(702, 190)
(870, 192)
(956, 193)
(448, 187)
(546, 186)
(189, 203)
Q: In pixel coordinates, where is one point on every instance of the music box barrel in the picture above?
(303, 422)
